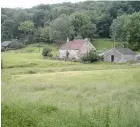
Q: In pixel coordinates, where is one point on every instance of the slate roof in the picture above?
(125, 51)
(5, 43)
(72, 45)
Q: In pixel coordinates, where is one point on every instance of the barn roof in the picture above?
(72, 45)
(125, 51)
(5, 43)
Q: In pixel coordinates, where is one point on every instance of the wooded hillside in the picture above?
(92, 19)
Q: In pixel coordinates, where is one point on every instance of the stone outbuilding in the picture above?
(5, 43)
(75, 49)
(120, 55)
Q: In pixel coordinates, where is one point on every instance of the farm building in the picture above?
(5, 44)
(120, 55)
(75, 49)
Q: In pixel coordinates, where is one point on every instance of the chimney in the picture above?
(86, 39)
(67, 39)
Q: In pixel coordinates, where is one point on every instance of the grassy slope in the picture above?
(102, 44)
(42, 93)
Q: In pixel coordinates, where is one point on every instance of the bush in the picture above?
(16, 45)
(25, 42)
(2, 49)
(47, 52)
(50, 54)
(91, 56)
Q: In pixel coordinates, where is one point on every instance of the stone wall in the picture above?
(127, 58)
(118, 57)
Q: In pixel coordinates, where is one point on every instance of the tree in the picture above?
(64, 10)
(37, 35)
(82, 25)
(8, 29)
(4, 18)
(103, 26)
(85, 19)
(89, 30)
(133, 31)
(48, 35)
(38, 18)
(118, 28)
(27, 27)
(62, 25)
(126, 28)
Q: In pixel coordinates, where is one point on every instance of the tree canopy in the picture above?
(90, 19)
(126, 28)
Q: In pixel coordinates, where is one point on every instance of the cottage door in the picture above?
(112, 58)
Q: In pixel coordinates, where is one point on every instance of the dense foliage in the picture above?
(126, 28)
(91, 56)
(47, 52)
(54, 23)
(16, 45)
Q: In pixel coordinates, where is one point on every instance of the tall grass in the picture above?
(37, 92)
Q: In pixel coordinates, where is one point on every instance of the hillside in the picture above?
(103, 44)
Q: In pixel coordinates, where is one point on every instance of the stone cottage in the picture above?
(120, 55)
(75, 49)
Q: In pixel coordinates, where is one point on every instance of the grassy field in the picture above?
(103, 44)
(38, 92)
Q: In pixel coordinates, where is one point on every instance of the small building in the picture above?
(75, 49)
(5, 44)
(120, 55)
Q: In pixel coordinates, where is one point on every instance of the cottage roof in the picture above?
(72, 45)
(125, 51)
(5, 43)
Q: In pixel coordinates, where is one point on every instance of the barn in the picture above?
(120, 55)
(75, 49)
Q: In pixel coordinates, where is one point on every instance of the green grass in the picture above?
(138, 52)
(38, 92)
(103, 44)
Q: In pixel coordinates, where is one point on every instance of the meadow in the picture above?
(39, 92)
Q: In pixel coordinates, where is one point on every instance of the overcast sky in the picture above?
(31, 3)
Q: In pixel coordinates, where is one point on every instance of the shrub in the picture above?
(50, 54)
(2, 49)
(25, 42)
(16, 45)
(91, 56)
(47, 52)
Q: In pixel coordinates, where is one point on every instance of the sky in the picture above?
(31, 3)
